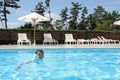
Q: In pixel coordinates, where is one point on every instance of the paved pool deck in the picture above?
(60, 46)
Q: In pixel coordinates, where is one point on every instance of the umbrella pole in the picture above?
(34, 43)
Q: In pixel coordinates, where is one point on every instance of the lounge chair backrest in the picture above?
(99, 38)
(22, 36)
(47, 36)
(103, 38)
(69, 37)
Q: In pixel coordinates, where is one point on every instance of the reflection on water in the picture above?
(61, 64)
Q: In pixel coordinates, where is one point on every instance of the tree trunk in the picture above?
(4, 13)
(5, 21)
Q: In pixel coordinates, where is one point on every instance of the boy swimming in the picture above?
(39, 55)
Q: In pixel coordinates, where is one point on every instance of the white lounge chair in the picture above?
(80, 41)
(97, 40)
(69, 39)
(48, 39)
(110, 40)
(84, 41)
(102, 41)
(22, 38)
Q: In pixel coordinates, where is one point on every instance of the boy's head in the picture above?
(40, 54)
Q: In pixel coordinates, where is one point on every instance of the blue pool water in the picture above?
(61, 64)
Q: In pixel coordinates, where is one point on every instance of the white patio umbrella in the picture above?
(117, 22)
(33, 17)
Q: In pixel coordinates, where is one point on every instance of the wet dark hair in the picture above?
(41, 55)
(39, 51)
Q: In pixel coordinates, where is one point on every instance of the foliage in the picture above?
(74, 18)
(74, 11)
(102, 20)
(83, 24)
(26, 26)
(91, 22)
(47, 2)
(39, 8)
(3, 9)
(64, 18)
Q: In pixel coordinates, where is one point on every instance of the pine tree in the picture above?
(3, 8)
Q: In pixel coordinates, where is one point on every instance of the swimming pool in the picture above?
(61, 64)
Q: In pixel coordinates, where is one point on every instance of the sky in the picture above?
(56, 6)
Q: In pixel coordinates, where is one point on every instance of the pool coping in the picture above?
(60, 46)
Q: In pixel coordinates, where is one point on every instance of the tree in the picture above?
(115, 15)
(64, 16)
(104, 20)
(39, 8)
(99, 12)
(83, 24)
(74, 11)
(47, 2)
(91, 22)
(26, 26)
(110, 18)
(3, 8)
(105, 26)
(84, 12)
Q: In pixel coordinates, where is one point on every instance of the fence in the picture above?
(10, 36)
